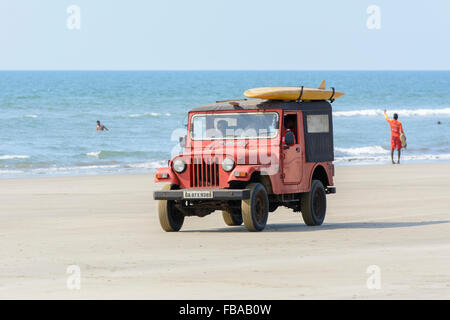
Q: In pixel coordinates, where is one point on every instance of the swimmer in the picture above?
(101, 127)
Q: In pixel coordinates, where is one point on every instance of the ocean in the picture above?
(48, 118)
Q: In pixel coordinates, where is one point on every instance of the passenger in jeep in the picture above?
(222, 126)
(289, 126)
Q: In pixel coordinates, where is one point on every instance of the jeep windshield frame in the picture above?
(258, 125)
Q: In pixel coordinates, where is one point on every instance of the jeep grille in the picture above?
(204, 172)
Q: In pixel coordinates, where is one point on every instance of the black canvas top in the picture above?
(264, 104)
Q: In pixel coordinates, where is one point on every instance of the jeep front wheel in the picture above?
(232, 218)
(255, 210)
(314, 204)
(170, 218)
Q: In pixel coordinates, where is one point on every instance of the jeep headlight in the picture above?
(179, 165)
(227, 164)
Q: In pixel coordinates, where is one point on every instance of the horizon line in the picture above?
(231, 70)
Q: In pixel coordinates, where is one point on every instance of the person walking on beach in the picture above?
(396, 131)
(101, 127)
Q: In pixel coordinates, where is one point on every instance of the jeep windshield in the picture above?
(251, 125)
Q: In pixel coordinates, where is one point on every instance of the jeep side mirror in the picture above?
(183, 141)
(289, 138)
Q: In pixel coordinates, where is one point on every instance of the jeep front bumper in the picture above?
(202, 194)
(329, 190)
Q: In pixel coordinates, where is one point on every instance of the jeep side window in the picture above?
(290, 124)
(317, 123)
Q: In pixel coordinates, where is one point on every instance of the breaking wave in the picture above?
(9, 157)
(401, 112)
(379, 154)
(149, 114)
(152, 165)
(107, 154)
(140, 167)
(382, 159)
(370, 150)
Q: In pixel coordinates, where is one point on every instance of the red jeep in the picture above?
(247, 158)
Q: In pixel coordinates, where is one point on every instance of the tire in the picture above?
(255, 210)
(232, 218)
(313, 204)
(169, 217)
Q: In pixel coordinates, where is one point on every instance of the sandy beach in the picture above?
(394, 217)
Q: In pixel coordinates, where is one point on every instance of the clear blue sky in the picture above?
(225, 35)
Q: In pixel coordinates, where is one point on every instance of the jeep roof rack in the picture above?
(243, 104)
(230, 100)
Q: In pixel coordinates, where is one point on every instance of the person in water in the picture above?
(101, 127)
(396, 131)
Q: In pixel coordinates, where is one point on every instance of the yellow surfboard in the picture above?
(293, 93)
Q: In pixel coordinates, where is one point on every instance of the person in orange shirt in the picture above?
(396, 131)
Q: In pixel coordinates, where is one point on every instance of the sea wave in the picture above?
(147, 165)
(82, 169)
(401, 112)
(30, 116)
(11, 156)
(105, 154)
(28, 97)
(387, 158)
(94, 154)
(76, 168)
(149, 114)
(368, 150)
(108, 167)
(151, 166)
(11, 173)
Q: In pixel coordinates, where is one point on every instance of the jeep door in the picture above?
(291, 160)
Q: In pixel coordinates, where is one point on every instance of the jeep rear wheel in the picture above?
(170, 218)
(314, 204)
(255, 210)
(232, 218)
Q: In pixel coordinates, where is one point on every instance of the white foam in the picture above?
(378, 159)
(97, 168)
(30, 116)
(94, 154)
(148, 114)
(8, 172)
(400, 112)
(148, 165)
(8, 157)
(77, 168)
(378, 154)
(369, 150)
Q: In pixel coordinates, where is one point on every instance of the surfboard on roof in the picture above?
(294, 93)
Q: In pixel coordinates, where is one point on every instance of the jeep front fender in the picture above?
(171, 177)
(245, 173)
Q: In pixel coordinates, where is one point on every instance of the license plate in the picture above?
(198, 194)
